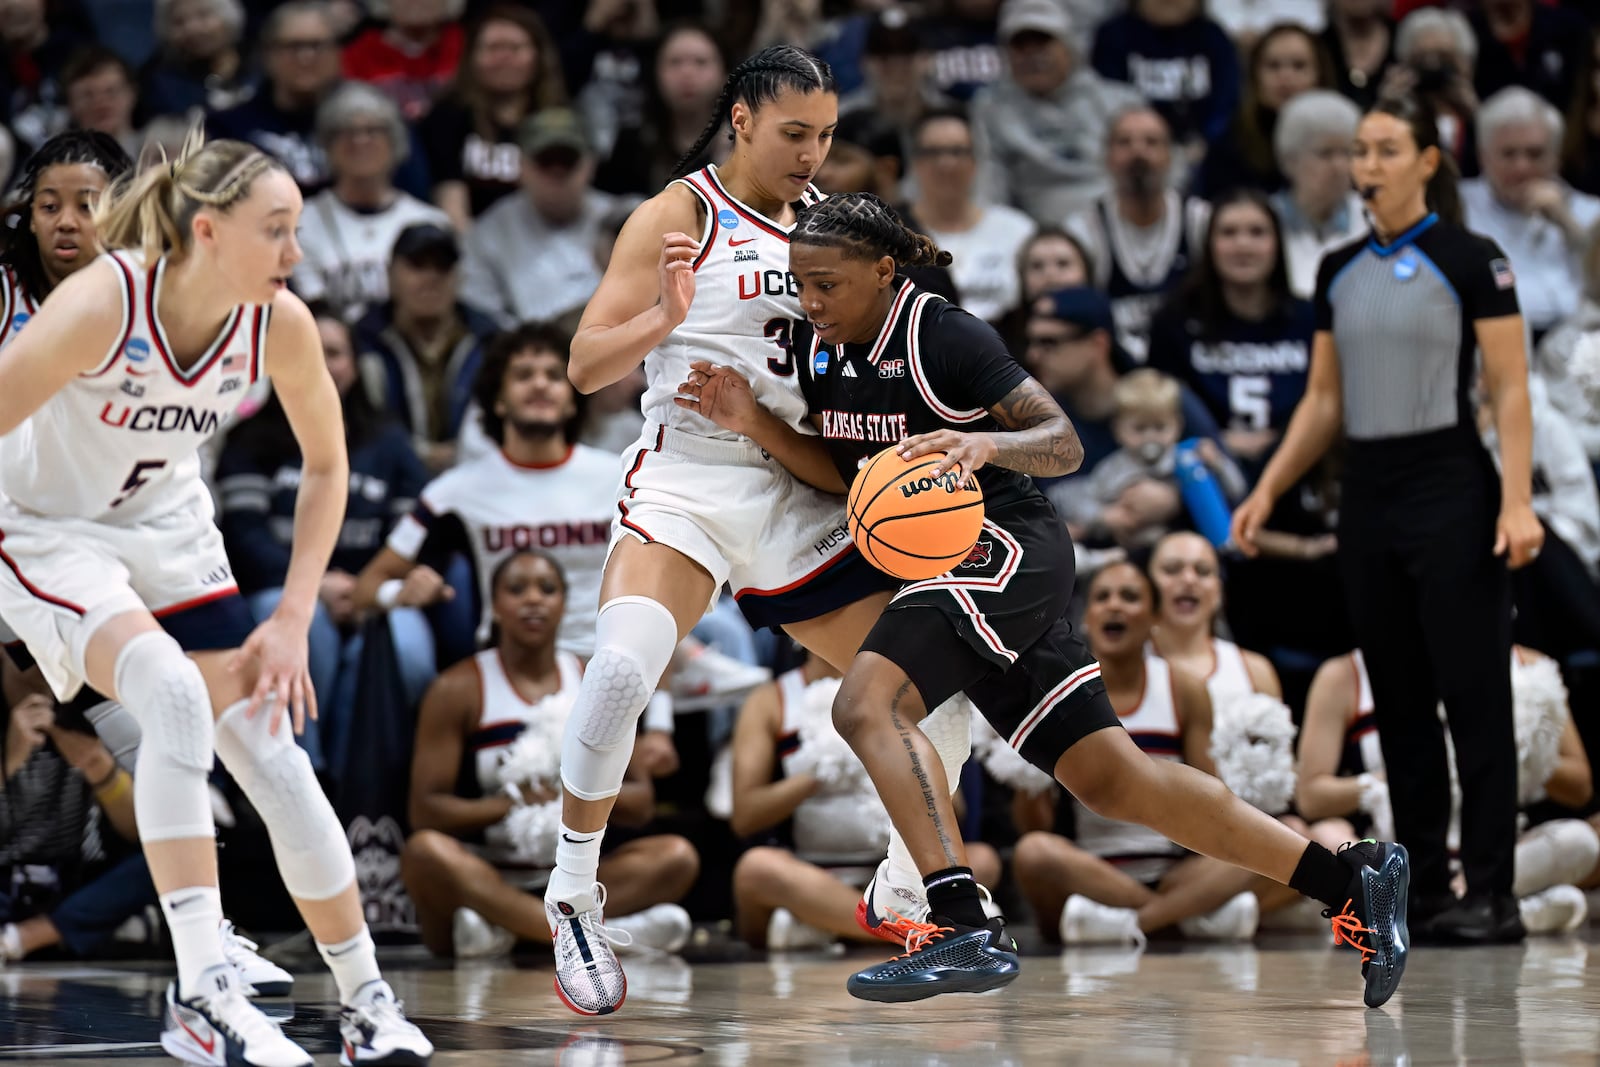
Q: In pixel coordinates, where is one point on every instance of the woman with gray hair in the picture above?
(199, 65)
(348, 230)
(1436, 54)
(1319, 211)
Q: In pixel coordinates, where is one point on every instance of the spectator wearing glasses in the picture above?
(199, 66)
(101, 95)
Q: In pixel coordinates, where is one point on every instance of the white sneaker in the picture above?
(1234, 921)
(1088, 922)
(659, 928)
(785, 933)
(1559, 852)
(589, 980)
(10, 943)
(259, 977)
(221, 1027)
(706, 678)
(892, 910)
(374, 1029)
(1560, 909)
(476, 938)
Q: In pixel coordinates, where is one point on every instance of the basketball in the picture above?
(910, 524)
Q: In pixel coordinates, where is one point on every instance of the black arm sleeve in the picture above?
(1482, 276)
(965, 359)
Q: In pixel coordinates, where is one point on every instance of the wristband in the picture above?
(389, 593)
(119, 785)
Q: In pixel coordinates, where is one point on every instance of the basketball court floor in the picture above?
(1287, 1000)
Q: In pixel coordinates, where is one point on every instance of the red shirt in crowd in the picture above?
(409, 76)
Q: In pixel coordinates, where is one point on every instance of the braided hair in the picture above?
(862, 226)
(19, 245)
(757, 81)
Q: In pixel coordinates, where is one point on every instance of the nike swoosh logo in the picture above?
(576, 840)
(346, 952)
(176, 904)
(209, 1043)
(735, 244)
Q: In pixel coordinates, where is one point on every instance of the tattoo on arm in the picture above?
(930, 795)
(1039, 438)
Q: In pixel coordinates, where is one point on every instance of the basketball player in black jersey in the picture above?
(881, 364)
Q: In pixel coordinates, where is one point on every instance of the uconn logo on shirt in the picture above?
(547, 535)
(167, 418)
(759, 283)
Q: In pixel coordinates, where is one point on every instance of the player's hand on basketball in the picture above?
(721, 394)
(965, 453)
(422, 587)
(1248, 519)
(283, 679)
(678, 251)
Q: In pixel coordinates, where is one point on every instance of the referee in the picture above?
(1427, 528)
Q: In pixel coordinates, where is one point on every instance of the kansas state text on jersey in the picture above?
(120, 443)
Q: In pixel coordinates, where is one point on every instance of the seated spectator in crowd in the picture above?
(1435, 52)
(1360, 41)
(1580, 151)
(1343, 786)
(485, 774)
(531, 257)
(1110, 503)
(1319, 211)
(200, 65)
(68, 839)
(420, 350)
(348, 230)
(1041, 127)
(301, 45)
(690, 68)
(983, 238)
(101, 95)
(1116, 883)
(1142, 235)
(258, 479)
(412, 56)
(817, 840)
(1180, 60)
(1553, 364)
(1535, 45)
(608, 66)
(967, 51)
(36, 44)
(899, 87)
(1049, 260)
(510, 70)
(1234, 333)
(1248, 21)
(1188, 578)
(1521, 202)
(1285, 62)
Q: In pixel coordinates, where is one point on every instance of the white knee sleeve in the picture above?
(634, 637)
(949, 728)
(165, 692)
(308, 840)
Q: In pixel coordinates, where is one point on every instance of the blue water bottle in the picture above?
(1201, 494)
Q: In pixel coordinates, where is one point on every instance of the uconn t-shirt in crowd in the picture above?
(1250, 374)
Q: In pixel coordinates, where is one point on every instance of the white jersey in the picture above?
(564, 509)
(1137, 850)
(121, 442)
(745, 304)
(16, 307)
(1229, 676)
(347, 252)
(828, 827)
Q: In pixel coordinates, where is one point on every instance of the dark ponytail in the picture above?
(1443, 192)
(757, 81)
(19, 246)
(864, 227)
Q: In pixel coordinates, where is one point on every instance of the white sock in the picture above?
(902, 868)
(577, 864)
(193, 916)
(354, 963)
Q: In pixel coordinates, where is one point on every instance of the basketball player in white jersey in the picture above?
(54, 199)
(105, 399)
(473, 901)
(1188, 577)
(1119, 881)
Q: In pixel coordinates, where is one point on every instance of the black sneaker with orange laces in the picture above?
(942, 959)
(1373, 919)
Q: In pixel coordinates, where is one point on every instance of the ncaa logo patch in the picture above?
(819, 362)
(137, 350)
(1405, 268)
(727, 219)
(19, 320)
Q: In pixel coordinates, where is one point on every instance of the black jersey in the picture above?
(933, 366)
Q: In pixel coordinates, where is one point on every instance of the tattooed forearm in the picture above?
(930, 794)
(1038, 438)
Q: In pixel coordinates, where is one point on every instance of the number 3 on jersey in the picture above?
(138, 478)
(778, 331)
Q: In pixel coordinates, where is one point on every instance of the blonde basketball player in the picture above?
(104, 400)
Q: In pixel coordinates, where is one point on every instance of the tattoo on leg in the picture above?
(929, 794)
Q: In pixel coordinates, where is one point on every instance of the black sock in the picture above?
(953, 898)
(1322, 876)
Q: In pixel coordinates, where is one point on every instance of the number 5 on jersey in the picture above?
(138, 478)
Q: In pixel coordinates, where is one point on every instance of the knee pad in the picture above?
(634, 640)
(949, 728)
(308, 840)
(117, 729)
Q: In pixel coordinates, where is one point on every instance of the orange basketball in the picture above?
(910, 524)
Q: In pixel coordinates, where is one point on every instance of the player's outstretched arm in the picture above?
(723, 395)
(73, 333)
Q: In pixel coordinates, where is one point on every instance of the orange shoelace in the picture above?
(901, 927)
(1347, 930)
(921, 937)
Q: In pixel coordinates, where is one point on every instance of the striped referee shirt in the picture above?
(1402, 317)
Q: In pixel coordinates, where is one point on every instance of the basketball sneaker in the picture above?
(475, 938)
(373, 1028)
(1373, 919)
(220, 1027)
(705, 678)
(785, 933)
(589, 980)
(892, 909)
(1089, 922)
(258, 976)
(942, 959)
(1234, 921)
(659, 928)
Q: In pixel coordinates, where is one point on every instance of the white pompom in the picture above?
(1252, 744)
(1540, 713)
(1004, 763)
(535, 756)
(1584, 366)
(532, 829)
(822, 753)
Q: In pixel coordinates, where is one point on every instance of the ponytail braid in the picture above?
(864, 227)
(757, 81)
